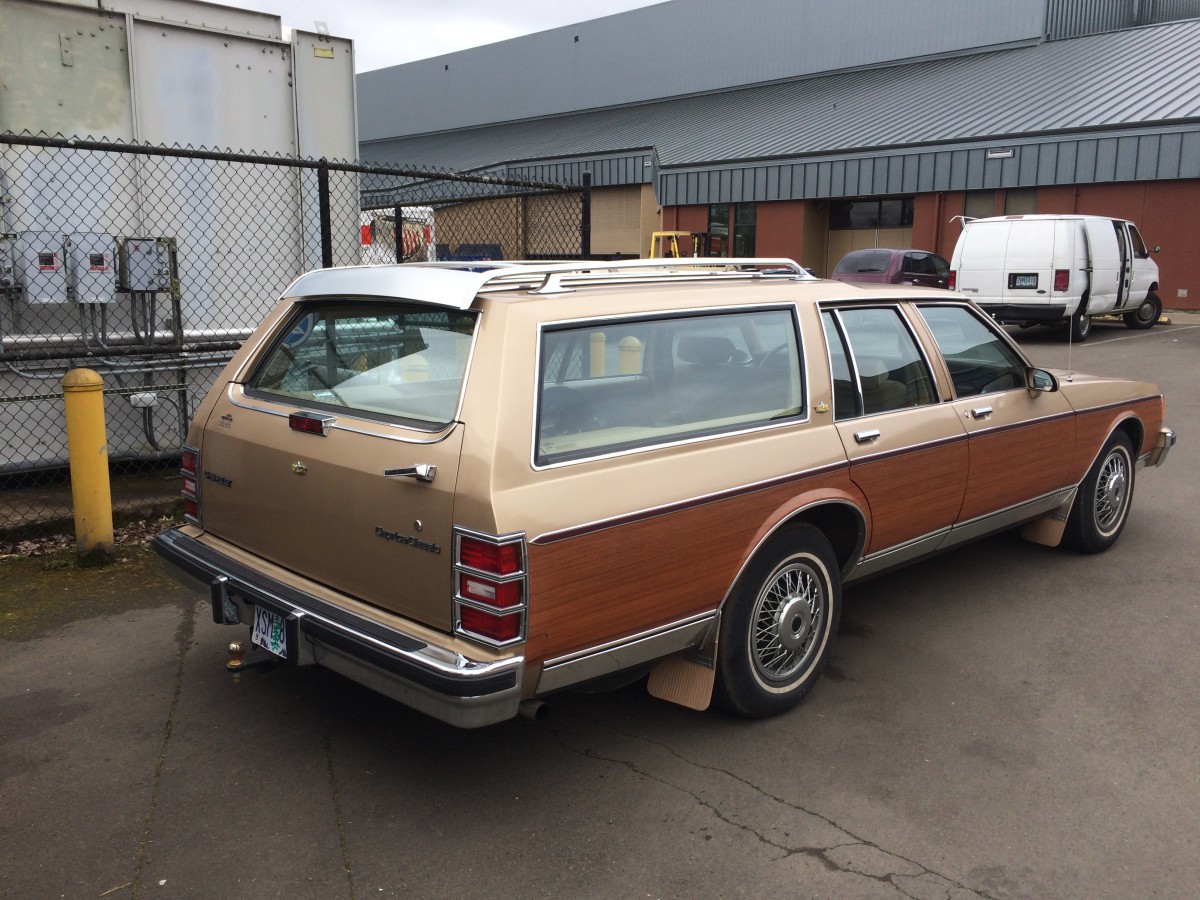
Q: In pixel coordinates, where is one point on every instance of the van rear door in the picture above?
(1029, 263)
(337, 456)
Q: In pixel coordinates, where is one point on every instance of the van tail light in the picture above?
(953, 280)
(491, 587)
(189, 465)
(1062, 279)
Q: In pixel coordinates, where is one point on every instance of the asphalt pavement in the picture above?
(1002, 721)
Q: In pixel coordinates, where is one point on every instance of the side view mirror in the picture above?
(1157, 249)
(1039, 380)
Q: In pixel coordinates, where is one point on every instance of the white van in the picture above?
(1052, 269)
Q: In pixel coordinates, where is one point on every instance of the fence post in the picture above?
(326, 223)
(399, 211)
(585, 218)
(87, 452)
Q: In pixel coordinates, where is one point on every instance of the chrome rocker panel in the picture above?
(437, 681)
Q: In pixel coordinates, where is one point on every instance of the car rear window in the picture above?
(612, 386)
(392, 360)
(865, 261)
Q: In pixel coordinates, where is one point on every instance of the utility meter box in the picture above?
(144, 264)
(8, 268)
(41, 268)
(92, 271)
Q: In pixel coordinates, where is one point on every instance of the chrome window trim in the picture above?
(568, 324)
(239, 400)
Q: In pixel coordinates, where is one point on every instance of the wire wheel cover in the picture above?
(1112, 491)
(788, 620)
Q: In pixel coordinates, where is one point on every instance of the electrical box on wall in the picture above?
(40, 267)
(92, 271)
(8, 270)
(144, 264)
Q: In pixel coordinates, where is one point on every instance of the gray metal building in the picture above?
(794, 122)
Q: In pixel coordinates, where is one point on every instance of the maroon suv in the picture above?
(887, 266)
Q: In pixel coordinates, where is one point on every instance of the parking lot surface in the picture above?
(1005, 720)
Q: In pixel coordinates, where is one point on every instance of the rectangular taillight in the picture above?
(1062, 279)
(490, 587)
(189, 465)
(953, 283)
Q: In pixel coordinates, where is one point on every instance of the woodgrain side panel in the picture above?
(609, 583)
(912, 493)
(1094, 427)
(1017, 463)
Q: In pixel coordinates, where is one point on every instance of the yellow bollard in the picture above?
(629, 356)
(596, 365)
(87, 448)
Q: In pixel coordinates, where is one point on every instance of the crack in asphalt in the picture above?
(183, 640)
(338, 817)
(898, 871)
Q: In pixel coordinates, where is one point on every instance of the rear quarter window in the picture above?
(607, 387)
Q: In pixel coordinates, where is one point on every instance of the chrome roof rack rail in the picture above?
(456, 284)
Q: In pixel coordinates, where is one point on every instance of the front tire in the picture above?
(1145, 315)
(778, 624)
(1103, 500)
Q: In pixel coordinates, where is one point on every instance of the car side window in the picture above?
(612, 386)
(889, 370)
(847, 404)
(980, 360)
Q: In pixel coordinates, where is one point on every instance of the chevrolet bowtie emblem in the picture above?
(822, 407)
(299, 468)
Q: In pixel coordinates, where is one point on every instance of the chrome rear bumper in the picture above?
(438, 681)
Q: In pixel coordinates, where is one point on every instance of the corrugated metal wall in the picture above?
(1074, 18)
(1166, 154)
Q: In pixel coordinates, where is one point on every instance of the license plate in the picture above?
(1024, 281)
(269, 632)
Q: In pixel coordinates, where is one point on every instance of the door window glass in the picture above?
(980, 360)
(891, 371)
(1139, 246)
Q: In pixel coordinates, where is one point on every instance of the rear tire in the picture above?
(778, 624)
(1146, 315)
(1103, 500)
(1079, 325)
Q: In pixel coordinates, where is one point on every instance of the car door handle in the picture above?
(421, 472)
(865, 437)
(981, 412)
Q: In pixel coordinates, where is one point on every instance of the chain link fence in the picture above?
(152, 264)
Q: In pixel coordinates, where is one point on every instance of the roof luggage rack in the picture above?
(456, 284)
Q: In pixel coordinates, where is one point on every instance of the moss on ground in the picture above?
(41, 593)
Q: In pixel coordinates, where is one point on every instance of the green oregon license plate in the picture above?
(269, 632)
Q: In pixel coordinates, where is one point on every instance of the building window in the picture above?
(979, 204)
(892, 213)
(732, 226)
(1020, 201)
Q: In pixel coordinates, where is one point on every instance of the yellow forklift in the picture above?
(680, 244)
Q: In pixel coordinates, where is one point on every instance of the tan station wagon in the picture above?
(469, 486)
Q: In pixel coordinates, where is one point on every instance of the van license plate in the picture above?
(269, 632)
(1023, 281)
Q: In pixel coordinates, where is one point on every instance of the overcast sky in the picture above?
(389, 32)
